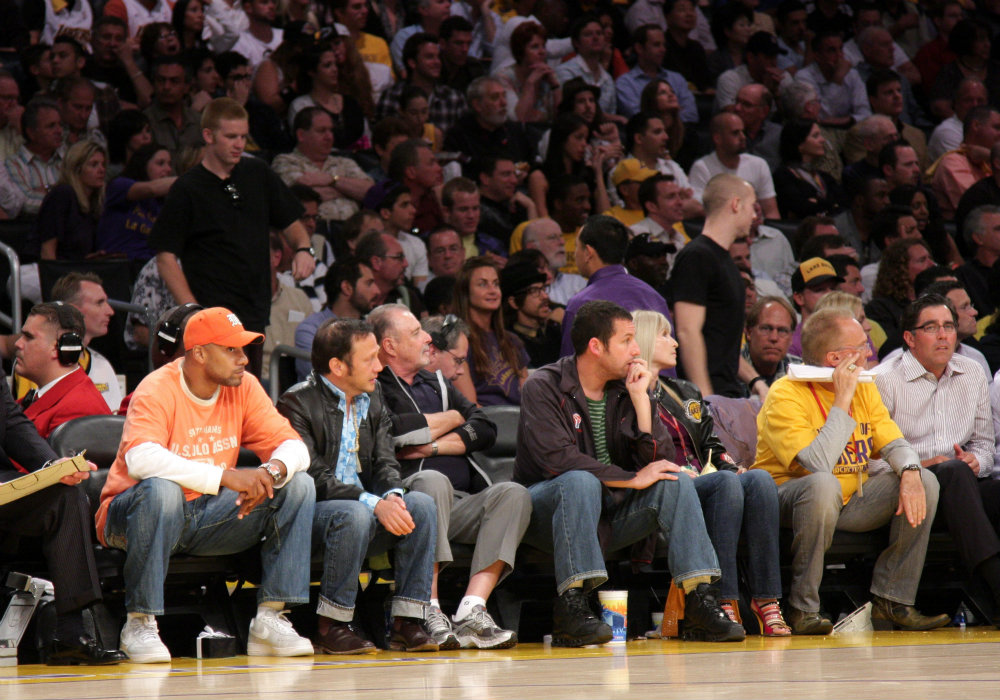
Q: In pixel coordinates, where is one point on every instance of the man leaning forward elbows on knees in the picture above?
(597, 467)
(816, 438)
(173, 488)
(361, 508)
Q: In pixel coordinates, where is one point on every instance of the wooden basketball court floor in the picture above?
(944, 664)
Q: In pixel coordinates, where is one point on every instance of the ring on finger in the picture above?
(851, 367)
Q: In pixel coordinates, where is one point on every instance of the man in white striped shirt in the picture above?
(941, 402)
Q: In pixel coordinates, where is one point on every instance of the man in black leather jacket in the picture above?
(361, 508)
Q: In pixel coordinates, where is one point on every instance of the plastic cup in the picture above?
(614, 611)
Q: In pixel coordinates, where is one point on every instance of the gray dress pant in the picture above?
(813, 507)
(494, 520)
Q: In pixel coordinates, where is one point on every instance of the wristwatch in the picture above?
(909, 468)
(434, 449)
(272, 470)
(308, 249)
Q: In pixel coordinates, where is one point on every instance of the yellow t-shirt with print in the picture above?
(793, 414)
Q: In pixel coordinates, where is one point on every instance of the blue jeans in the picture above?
(152, 520)
(733, 503)
(349, 531)
(567, 509)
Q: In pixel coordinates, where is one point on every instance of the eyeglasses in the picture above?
(782, 331)
(935, 328)
(233, 193)
(237, 77)
(459, 360)
(535, 290)
(166, 34)
(398, 257)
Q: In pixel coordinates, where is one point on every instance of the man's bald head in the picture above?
(721, 190)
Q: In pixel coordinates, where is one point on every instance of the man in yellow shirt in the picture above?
(815, 439)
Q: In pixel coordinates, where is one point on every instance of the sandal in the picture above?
(768, 614)
(732, 610)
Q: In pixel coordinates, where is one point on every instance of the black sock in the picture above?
(69, 626)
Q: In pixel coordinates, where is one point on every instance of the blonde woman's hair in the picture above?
(837, 299)
(76, 157)
(648, 327)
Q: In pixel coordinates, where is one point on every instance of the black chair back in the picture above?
(498, 460)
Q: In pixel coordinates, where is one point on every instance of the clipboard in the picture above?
(42, 478)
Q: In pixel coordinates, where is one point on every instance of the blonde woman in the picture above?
(732, 499)
(67, 221)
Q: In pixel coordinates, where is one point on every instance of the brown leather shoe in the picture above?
(803, 622)
(409, 634)
(904, 617)
(341, 638)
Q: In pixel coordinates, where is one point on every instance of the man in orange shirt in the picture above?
(173, 487)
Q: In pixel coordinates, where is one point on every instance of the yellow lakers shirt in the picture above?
(793, 414)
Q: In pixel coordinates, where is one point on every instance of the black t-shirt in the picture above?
(543, 347)
(221, 237)
(705, 275)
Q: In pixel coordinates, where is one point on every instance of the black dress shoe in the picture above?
(83, 651)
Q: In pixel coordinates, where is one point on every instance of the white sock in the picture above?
(436, 603)
(466, 606)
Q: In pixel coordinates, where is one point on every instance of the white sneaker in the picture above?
(271, 634)
(140, 639)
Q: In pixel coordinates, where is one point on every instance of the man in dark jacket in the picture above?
(436, 428)
(597, 466)
(361, 508)
(59, 515)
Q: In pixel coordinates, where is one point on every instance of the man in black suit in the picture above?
(60, 516)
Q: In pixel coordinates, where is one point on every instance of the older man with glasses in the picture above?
(941, 402)
(816, 438)
(770, 324)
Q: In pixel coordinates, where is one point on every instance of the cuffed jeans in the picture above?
(152, 521)
(567, 509)
(733, 503)
(349, 531)
(494, 520)
(813, 507)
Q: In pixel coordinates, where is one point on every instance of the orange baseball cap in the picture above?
(218, 326)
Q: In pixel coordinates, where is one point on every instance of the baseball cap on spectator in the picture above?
(643, 244)
(813, 271)
(518, 277)
(764, 43)
(630, 169)
(218, 326)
